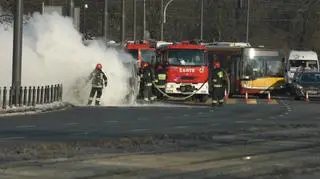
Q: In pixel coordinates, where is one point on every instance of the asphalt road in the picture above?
(239, 140)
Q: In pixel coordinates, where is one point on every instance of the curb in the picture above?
(35, 110)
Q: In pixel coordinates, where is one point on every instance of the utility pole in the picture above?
(17, 50)
(201, 30)
(248, 21)
(106, 20)
(144, 19)
(123, 21)
(162, 25)
(134, 20)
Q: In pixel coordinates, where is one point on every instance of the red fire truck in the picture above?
(141, 51)
(185, 69)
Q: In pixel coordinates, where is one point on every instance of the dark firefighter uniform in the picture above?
(147, 79)
(99, 80)
(217, 78)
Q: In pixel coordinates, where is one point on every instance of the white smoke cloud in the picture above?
(53, 52)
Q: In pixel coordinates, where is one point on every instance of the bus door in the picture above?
(235, 71)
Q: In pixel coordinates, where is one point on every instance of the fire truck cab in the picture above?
(186, 69)
(142, 51)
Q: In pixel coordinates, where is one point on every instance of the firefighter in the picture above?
(99, 80)
(147, 79)
(217, 80)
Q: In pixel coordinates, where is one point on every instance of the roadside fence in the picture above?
(30, 96)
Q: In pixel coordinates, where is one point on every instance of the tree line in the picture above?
(287, 24)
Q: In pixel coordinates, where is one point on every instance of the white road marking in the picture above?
(240, 122)
(26, 126)
(142, 119)
(6, 139)
(181, 127)
(111, 121)
(139, 130)
(71, 124)
(169, 117)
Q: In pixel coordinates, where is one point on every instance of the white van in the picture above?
(298, 59)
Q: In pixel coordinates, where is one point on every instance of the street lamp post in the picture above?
(106, 20)
(164, 16)
(144, 19)
(248, 21)
(85, 7)
(161, 20)
(123, 23)
(71, 10)
(201, 28)
(165, 11)
(17, 50)
(134, 20)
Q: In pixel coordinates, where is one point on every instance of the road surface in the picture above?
(240, 140)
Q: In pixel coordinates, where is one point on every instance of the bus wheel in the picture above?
(262, 96)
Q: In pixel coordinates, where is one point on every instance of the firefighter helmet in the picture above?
(145, 64)
(98, 66)
(216, 64)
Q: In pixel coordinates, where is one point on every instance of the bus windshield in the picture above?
(263, 63)
(186, 57)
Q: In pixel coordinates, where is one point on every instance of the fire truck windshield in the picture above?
(147, 55)
(186, 57)
(134, 54)
(263, 63)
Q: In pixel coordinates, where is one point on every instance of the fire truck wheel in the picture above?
(203, 98)
(296, 97)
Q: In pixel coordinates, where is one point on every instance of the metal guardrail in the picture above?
(30, 96)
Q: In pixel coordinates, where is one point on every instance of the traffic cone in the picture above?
(226, 95)
(269, 97)
(307, 97)
(247, 96)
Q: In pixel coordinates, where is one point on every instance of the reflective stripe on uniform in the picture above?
(220, 74)
(148, 84)
(98, 99)
(153, 97)
(221, 101)
(90, 98)
(161, 86)
(214, 102)
(217, 86)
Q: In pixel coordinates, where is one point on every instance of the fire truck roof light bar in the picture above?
(228, 44)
